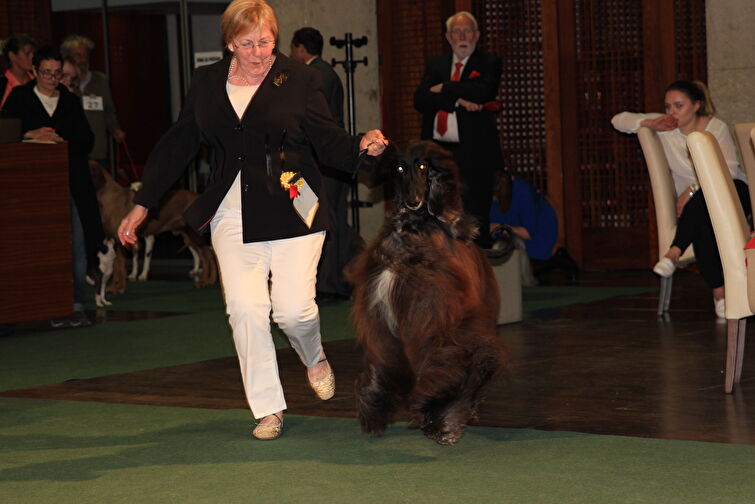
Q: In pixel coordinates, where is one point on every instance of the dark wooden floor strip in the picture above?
(608, 367)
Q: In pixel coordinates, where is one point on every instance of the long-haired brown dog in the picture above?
(426, 304)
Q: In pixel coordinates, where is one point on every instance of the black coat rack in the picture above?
(349, 65)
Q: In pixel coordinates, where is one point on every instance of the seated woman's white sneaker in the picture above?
(720, 305)
(665, 267)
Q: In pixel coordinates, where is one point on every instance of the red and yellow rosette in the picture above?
(287, 185)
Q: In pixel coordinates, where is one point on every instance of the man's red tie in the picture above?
(442, 114)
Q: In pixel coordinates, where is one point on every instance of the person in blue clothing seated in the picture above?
(518, 206)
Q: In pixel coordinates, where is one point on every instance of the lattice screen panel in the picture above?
(512, 29)
(690, 38)
(31, 17)
(413, 34)
(613, 179)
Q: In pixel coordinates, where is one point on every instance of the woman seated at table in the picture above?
(689, 108)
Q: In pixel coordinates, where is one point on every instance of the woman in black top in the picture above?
(261, 114)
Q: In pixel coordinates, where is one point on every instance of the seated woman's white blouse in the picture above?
(674, 144)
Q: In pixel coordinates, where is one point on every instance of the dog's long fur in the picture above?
(426, 304)
(116, 201)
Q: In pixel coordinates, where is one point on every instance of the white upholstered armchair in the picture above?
(664, 198)
(732, 234)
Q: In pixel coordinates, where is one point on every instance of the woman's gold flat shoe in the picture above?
(325, 388)
(269, 431)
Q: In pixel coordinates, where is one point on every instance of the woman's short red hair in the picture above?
(246, 15)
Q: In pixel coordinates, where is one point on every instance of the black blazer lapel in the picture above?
(472, 64)
(218, 79)
(39, 110)
(262, 97)
(444, 66)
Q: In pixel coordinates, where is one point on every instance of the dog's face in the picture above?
(412, 182)
(424, 178)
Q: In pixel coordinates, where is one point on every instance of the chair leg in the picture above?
(667, 299)
(664, 297)
(732, 335)
(740, 349)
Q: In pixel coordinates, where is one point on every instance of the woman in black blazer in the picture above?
(260, 114)
(49, 112)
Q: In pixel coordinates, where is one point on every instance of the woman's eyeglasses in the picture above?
(47, 74)
(248, 44)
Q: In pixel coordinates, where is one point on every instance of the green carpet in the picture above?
(70, 452)
(76, 452)
(36, 358)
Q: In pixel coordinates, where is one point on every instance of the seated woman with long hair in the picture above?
(689, 108)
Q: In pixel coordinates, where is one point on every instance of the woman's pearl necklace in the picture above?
(243, 74)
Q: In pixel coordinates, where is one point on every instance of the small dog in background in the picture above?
(426, 304)
(102, 274)
(116, 201)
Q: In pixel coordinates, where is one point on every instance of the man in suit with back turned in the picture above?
(456, 98)
(306, 47)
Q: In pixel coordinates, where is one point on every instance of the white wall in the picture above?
(730, 26)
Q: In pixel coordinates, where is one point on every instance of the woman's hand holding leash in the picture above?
(373, 142)
(129, 225)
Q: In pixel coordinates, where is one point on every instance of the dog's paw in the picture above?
(449, 438)
(374, 429)
(372, 426)
(443, 434)
(446, 436)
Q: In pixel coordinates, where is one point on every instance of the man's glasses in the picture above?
(248, 45)
(466, 31)
(47, 74)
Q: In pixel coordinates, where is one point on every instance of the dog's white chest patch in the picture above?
(381, 289)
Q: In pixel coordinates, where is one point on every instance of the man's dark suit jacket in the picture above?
(288, 109)
(337, 251)
(71, 124)
(478, 152)
(479, 84)
(331, 87)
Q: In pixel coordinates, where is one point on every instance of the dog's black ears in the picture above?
(384, 167)
(389, 159)
(434, 153)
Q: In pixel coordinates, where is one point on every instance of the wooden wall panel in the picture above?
(139, 84)
(614, 186)
(514, 31)
(26, 16)
(35, 249)
(569, 66)
(690, 39)
(31, 17)
(409, 34)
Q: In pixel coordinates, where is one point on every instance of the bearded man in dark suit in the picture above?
(456, 96)
(306, 47)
